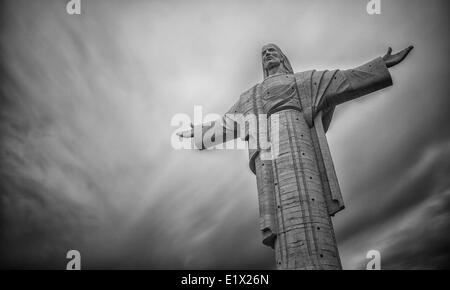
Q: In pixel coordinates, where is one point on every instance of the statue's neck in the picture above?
(275, 70)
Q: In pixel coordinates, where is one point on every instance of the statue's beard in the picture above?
(271, 65)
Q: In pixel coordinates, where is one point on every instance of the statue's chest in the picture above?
(279, 91)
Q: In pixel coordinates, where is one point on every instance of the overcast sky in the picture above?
(86, 109)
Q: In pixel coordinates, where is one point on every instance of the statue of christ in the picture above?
(298, 190)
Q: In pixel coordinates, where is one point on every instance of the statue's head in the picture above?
(272, 56)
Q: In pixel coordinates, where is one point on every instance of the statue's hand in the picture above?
(393, 59)
(187, 133)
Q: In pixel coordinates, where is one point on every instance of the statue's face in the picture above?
(270, 57)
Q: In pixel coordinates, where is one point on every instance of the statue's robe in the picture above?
(298, 190)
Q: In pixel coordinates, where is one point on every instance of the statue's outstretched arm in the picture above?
(340, 86)
(216, 132)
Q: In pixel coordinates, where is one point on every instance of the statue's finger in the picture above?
(402, 54)
(406, 51)
(389, 51)
(409, 49)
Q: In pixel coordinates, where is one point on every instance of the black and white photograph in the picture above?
(216, 135)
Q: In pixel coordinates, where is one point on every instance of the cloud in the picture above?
(405, 221)
(413, 187)
(423, 246)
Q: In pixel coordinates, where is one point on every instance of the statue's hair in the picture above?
(285, 63)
